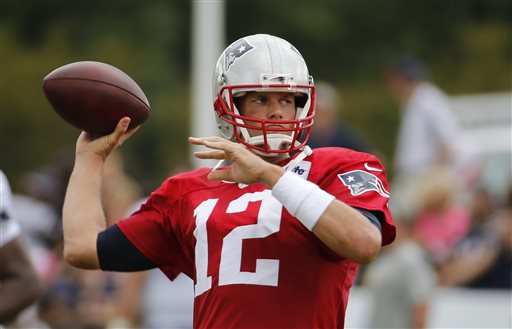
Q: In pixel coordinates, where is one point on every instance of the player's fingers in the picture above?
(214, 142)
(210, 155)
(195, 140)
(116, 136)
(84, 136)
(220, 175)
(121, 128)
(128, 134)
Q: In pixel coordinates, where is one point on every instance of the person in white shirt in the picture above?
(430, 137)
(429, 134)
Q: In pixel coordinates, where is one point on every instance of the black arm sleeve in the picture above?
(117, 253)
(372, 217)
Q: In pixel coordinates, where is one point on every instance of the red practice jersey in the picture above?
(254, 265)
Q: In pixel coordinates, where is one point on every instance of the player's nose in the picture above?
(275, 110)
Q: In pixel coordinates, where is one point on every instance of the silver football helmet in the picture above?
(262, 62)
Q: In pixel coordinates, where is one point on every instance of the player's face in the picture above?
(267, 106)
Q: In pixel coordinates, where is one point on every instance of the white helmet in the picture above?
(262, 62)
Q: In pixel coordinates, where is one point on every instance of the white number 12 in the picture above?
(269, 221)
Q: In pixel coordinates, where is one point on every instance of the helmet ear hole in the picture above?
(226, 129)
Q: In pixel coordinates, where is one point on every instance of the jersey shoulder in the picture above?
(327, 159)
(184, 183)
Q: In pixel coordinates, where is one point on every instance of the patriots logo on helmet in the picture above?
(359, 182)
(236, 50)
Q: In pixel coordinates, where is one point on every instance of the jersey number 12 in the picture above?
(269, 220)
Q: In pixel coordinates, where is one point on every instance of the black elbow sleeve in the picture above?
(117, 253)
(372, 217)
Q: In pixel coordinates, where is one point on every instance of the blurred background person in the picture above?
(40, 230)
(80, 299)
(429, 135)
(20, 284)
(116, 179)
(483, 257)
(441, 220)
(401, 281)
(148, 299)
(39, 219)
(329, 129)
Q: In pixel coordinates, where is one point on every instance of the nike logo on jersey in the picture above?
(367, 167)
(359, 182)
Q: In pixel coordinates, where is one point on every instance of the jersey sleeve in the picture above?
(149, 229)
(359, 180)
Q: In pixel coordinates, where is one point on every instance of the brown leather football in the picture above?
(94, 96)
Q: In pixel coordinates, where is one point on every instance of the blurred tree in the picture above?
(148, 40)
(346, 42)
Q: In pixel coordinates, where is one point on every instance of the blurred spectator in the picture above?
(401, 280)
(40, 230)
(116, 179)
(149, 300)
(328, 130)
(39, 220)
(483, 258)
(20, 284)
(86, 299)
(440, 221)
(430, 135)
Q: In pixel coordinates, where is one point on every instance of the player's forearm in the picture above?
(347, 232)
(83, 216)
(341, 227)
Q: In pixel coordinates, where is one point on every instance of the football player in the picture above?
(270, 239)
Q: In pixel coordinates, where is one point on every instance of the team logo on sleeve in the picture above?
(359, 182)
(236, 50)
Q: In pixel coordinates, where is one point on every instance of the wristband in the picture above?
(303, 200)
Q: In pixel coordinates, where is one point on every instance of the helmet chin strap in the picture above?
(306, 151)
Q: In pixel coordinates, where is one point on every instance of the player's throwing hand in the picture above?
(102, 146)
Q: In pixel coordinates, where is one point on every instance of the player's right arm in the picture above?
(83, 216)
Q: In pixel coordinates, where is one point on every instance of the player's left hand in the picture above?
(247, 167)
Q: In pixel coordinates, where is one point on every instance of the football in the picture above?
(94, 96)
